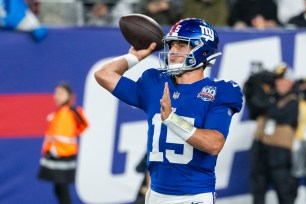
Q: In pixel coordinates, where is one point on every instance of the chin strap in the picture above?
(210, 61)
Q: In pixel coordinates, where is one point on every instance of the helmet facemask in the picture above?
(178, 68)
(191, 61)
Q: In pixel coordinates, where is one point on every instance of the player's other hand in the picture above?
(141, 54)
(165, 103)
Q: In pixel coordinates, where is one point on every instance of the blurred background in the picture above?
(67, 40)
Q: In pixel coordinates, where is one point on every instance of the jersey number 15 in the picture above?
(171, 137)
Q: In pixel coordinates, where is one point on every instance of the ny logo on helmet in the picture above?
(207, 33)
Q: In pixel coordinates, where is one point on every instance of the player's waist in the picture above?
(181, 179)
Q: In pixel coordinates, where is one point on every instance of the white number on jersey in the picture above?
(171, 137)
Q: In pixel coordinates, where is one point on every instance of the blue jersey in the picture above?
(13, 12)
(176, 168)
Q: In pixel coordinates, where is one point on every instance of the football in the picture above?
(140, 31)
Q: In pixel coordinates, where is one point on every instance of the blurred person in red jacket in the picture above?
(60, 146)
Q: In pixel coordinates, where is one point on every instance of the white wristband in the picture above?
(179, 126)
(131, 59)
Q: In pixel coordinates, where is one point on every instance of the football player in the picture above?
(189, 115)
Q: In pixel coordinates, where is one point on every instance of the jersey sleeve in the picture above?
(134, 93)
(229, 95)
(228, 101)
(219, 118)
(128, 91)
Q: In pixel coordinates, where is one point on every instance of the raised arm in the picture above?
(110, 73)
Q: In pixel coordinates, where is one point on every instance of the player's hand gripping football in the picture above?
(141, 54)
(165, 103)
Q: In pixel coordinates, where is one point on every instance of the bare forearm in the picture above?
(210, 141)
(111, 72)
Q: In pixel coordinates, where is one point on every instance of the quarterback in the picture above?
(188, 115)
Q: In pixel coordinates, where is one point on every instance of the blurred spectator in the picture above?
(60, 147)
(34, 6)
(230, 3)
(165, 12)
(213, 11)
(288, 9)
(299, 145)
(145, 184)
(15, 15)
(254, 13)
(98, 13)
(273, 103)
(124, 7)
(299, 20)
(61, 13)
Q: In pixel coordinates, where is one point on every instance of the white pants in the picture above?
(153, 197)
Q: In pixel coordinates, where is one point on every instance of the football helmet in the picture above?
(196, 33)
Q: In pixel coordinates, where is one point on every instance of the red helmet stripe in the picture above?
(174, 27)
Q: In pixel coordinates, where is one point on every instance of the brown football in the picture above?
(141, 30)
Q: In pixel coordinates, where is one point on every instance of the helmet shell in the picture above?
(200, 35)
